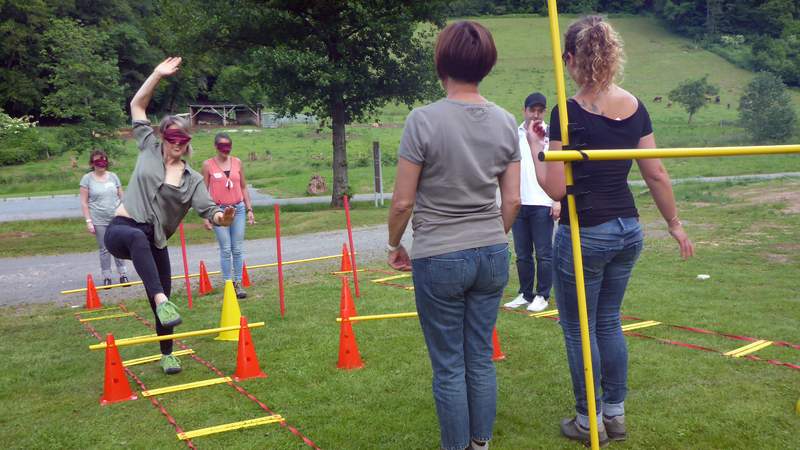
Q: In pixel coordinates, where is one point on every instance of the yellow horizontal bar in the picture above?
(380, 317)
(91, 311)
(195, 275)
(737, 350)
(638, 325)
(550, 313)
(153, 358)
(147, 339)
(185, 387)
(758, 347)
(393, 277)
(342, 272)
(749, 348)
(110, 316)
(229, 427)
(686, 152)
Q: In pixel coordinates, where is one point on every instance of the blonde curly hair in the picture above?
(597, 52)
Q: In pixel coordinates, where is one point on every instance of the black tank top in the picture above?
(601, 187)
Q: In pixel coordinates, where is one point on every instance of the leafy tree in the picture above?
(22, 82)
(341, 61)
(84, 84)
(693, 94)
(765, 109)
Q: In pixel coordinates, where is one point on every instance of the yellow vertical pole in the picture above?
(555, 39)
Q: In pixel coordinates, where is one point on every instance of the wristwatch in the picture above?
(392, 248)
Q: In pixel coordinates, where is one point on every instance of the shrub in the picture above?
(20, 141)
(765, 109)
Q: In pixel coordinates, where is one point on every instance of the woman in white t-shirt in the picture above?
(101, 192)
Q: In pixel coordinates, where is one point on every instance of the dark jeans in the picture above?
(533, 228)
(609, 251)
(128, 239)
(457, 296)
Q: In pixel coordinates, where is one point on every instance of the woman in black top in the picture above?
(602, 115)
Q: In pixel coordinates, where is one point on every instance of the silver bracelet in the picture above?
(392, 248)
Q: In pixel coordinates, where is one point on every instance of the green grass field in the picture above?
(746, 239)
(657, 62)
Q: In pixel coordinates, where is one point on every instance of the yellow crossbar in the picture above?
(393, 277)
(380, 317)
(550, 313)
(153, 358)
(195, 275)
(90, 311)
(749, 348)
(344, 272)
(686, 152)
(229, 427)
(110, 316)
(147, 339)
(185, 387)
(638, 325)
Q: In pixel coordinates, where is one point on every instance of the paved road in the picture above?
(65, 206)
(39, 279)
(69, 205)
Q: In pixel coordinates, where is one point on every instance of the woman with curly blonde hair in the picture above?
(602, 115)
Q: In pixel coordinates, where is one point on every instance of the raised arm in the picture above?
(550, 175)
(168, 67)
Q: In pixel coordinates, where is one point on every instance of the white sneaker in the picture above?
(538, 304)
(517, 302)
(474, 445)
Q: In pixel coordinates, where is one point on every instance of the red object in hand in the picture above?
(539, 129)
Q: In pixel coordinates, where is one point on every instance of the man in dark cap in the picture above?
(533, 228)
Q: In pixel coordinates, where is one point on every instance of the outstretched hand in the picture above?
(169, 66)
(227, 216)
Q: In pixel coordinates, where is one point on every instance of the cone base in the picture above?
(258, 375)
(223, 337)
(355, 367)
(105, 402)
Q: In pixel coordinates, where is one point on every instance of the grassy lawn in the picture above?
(58, 236)
(747, 240)
(657, 62)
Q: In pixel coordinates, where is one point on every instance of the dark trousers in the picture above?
(128, 239)
(533, 228)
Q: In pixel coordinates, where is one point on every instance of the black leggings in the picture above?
(128, 239)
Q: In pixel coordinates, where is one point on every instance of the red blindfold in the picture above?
(176, 136)
(224, 147)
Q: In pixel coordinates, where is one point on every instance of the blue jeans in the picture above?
(533, 228)
(610, 251)
(230, 239)
(458, 295)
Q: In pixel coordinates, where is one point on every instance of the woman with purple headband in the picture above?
(161, 190)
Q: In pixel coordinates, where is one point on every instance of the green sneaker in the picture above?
(170, 364)
(168, 314)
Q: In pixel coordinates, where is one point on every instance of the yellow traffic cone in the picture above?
(230, 314)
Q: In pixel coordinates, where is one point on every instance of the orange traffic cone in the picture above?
(116, 387)
(246, 360)
(92, 299)
(497, 352)
(205, 283)
(349, 358)
(245, 276)
(346, 306)
(346, 264)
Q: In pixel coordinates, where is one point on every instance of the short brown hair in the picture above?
(96, 152)
(465, 51)
(597, 52)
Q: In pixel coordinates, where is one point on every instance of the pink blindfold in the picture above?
(176, 136)
(224, 147)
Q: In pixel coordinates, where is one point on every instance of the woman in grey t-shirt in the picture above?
(453, 155)
(100, 194)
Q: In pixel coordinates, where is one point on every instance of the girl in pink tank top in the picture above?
(224, 178)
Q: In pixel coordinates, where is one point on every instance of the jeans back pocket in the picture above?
(446, 276)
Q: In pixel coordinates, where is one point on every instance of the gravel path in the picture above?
(39, 279)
